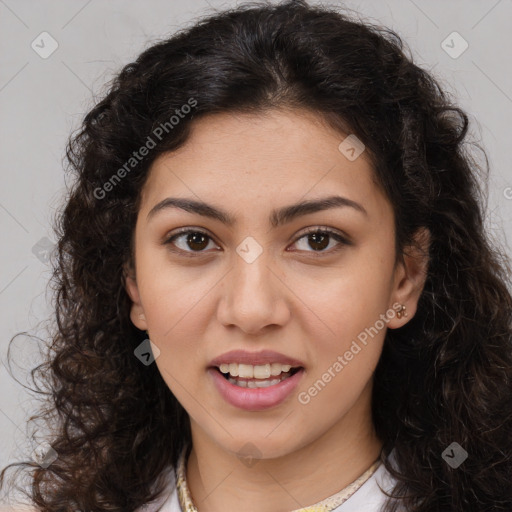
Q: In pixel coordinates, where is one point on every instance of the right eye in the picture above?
(194, 239)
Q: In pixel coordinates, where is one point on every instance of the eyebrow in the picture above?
(278, 216)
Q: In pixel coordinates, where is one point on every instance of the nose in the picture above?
(254, 296)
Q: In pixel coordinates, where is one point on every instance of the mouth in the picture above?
(270, 390)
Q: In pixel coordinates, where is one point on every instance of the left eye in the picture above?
(316, 238)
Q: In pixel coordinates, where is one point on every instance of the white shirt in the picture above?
(368, 498)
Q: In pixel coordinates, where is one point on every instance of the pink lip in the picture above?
(255, 399)
(254, 358)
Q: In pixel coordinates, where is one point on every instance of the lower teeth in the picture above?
(259, 383)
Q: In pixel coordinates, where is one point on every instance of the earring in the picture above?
(401, 312)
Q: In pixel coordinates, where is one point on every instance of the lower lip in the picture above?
(255, 399)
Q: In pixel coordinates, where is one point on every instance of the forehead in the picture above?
(273, 135)
(255, 159)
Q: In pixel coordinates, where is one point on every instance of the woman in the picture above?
(275, 291)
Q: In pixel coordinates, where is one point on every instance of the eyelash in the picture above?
(317, 254)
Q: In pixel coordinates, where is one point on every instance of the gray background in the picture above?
(43, 99)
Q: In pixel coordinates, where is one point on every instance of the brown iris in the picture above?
(321, 239)
(197, 241)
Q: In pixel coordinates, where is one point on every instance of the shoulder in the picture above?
(168, 502)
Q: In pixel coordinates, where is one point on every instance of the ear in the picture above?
(137, 315)
(410, 276)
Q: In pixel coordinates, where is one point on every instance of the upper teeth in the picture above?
(254, 372)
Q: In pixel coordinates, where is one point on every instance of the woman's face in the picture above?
(254, 284)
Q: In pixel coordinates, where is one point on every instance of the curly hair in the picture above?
(443, 377)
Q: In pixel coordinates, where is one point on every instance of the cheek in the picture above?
(172, 295)
(349, 306)
(348, 299)
(346, 347)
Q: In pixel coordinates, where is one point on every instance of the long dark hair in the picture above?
(444, 377)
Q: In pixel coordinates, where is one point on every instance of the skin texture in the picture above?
(289, 300)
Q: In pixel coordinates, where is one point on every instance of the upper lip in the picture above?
(254, 358)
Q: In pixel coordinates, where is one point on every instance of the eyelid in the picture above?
(325, 229)
(188, 229)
